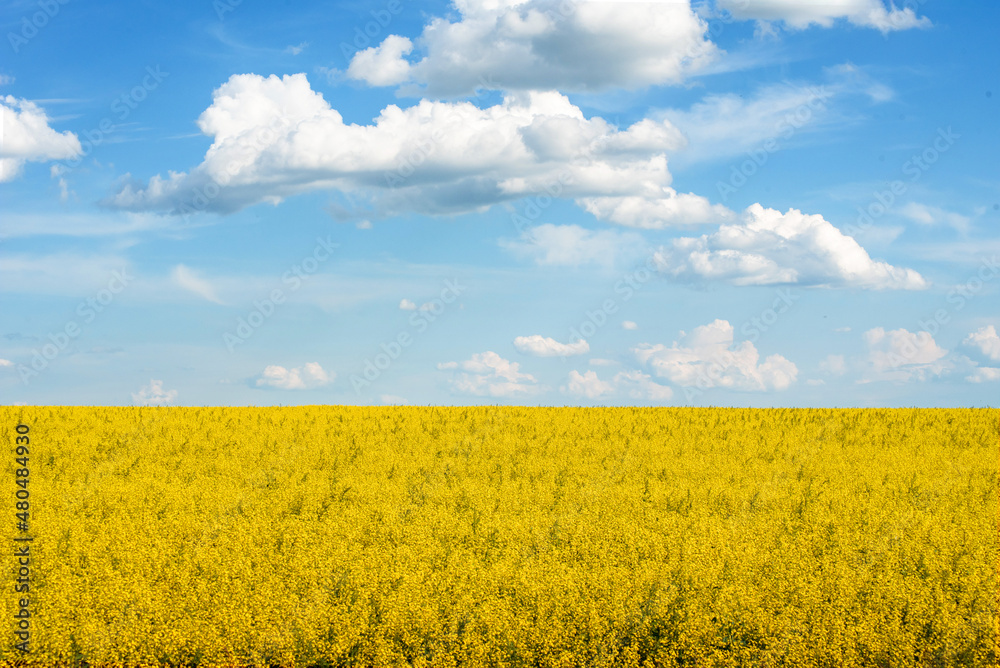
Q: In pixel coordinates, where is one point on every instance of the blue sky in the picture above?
(495, 201)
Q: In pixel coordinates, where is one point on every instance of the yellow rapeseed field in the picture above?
(506, 536)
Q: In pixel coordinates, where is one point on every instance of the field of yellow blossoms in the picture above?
(506, 536)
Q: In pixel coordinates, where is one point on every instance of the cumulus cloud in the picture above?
(27, 136)
(306, 377)
(4, 363)
(799, 15)
(407, 305)
(984, 374)
(543, 346)
(658, 210)
(572, 245)
(628, 324)
(488, 374)
(187, 279)
(986, 341)
(153, 394)
(707, 358)
(638, 385)
(382, 65)
(768, 247)
(276, 137)
(632, 384)
(544, 44)
(902, 355)
(587, 385)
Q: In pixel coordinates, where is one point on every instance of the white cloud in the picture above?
(707, 358)
(572, 245)
(153, 394)
(392, 399)
(26, 136)
(834, 365)
(540, 346)
(727, 125)
(488, 374)
(4, 362)
(638, 385)
(382, 65)
(587, 385)
(407, 305)
(842, 329)
(632, 384)
(903, 355)
(297, 48)
(308, 376)
(931, 215)
(768, 247)
(666, 208)
(986, 340)
(750, 127)
(984, 374)
(276, 137)
(628, 324)
(800, 15)
(186, 278)
(545, 44)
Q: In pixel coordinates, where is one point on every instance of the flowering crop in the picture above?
(510, 536)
